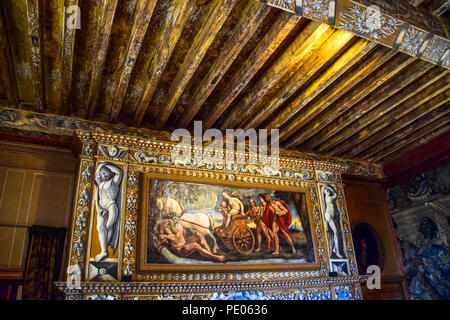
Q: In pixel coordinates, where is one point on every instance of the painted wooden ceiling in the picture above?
(230, 63)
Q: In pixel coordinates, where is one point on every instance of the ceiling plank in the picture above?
(339, 130)
(354, 55)
(7, 72)
(217, 16)
(310, 38)
(342, 86)
(411, 97)
(98, 62)
(35, 36)
(322, 56)
(250, 20)
(168, 38)
(67, 60)
(278, 32)
(404, 126)
(138, 31)
(420, 137)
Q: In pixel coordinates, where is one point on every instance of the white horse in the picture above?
(194, 222)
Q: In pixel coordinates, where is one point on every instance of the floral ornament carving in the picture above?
(129, 250)
(368, 22)
(316, 8)
(132, 203)
(436, 49)
(81, 221)
(87, 173)
(133, 180)
(130, 225)
(319, 232)
(412, 41)
(79, 245)
(85, 196)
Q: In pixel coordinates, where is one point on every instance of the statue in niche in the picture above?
(332, 218)
(108, 179)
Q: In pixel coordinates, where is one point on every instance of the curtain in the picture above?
(43, 266)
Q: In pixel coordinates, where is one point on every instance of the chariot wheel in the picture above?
(243, 240)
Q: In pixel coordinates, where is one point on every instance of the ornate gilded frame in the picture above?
(144, 267)
(141, 159)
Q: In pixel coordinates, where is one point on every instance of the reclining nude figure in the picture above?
(171, 232)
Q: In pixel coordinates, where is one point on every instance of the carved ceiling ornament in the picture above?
(379, 21)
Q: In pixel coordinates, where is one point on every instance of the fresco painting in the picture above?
(190, 223)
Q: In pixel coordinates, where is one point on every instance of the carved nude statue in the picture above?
(332, 218)
(107, 179)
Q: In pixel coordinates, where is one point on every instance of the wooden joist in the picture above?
(167, 39)
(35, 36)
(68, 46)
(329, 50)
(217, 16)
(280, 29)
(249, 22)
(339, 129)
(138, 31)
(421, 90)
(98, 62)
(7, 73)
(303, 128)
(309, 40)
(402, 126)
(343, 64)
(420, 137)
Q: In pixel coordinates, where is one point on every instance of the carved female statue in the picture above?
(332, 219)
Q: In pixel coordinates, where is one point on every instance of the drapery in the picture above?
(43, 266)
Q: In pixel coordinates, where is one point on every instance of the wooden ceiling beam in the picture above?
(323, 55)
(404, 126)
(347, 60)
(337, 70)
(415, 94)
(138, 32)
(341, 128)
(36, 41)
(420, 137)
(413, 31)
(351, 84)
(252, 17)
(68, 45)
(7, 72)
(274, 37)
(217, 16)
(167, 39)
(309, 40)
(100, 51)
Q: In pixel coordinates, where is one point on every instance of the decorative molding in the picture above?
(129, 248)
(208, 290)
(112, 135)
(35, 149)
(383, 24)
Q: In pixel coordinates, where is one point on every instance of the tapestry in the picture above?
(421, 210)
